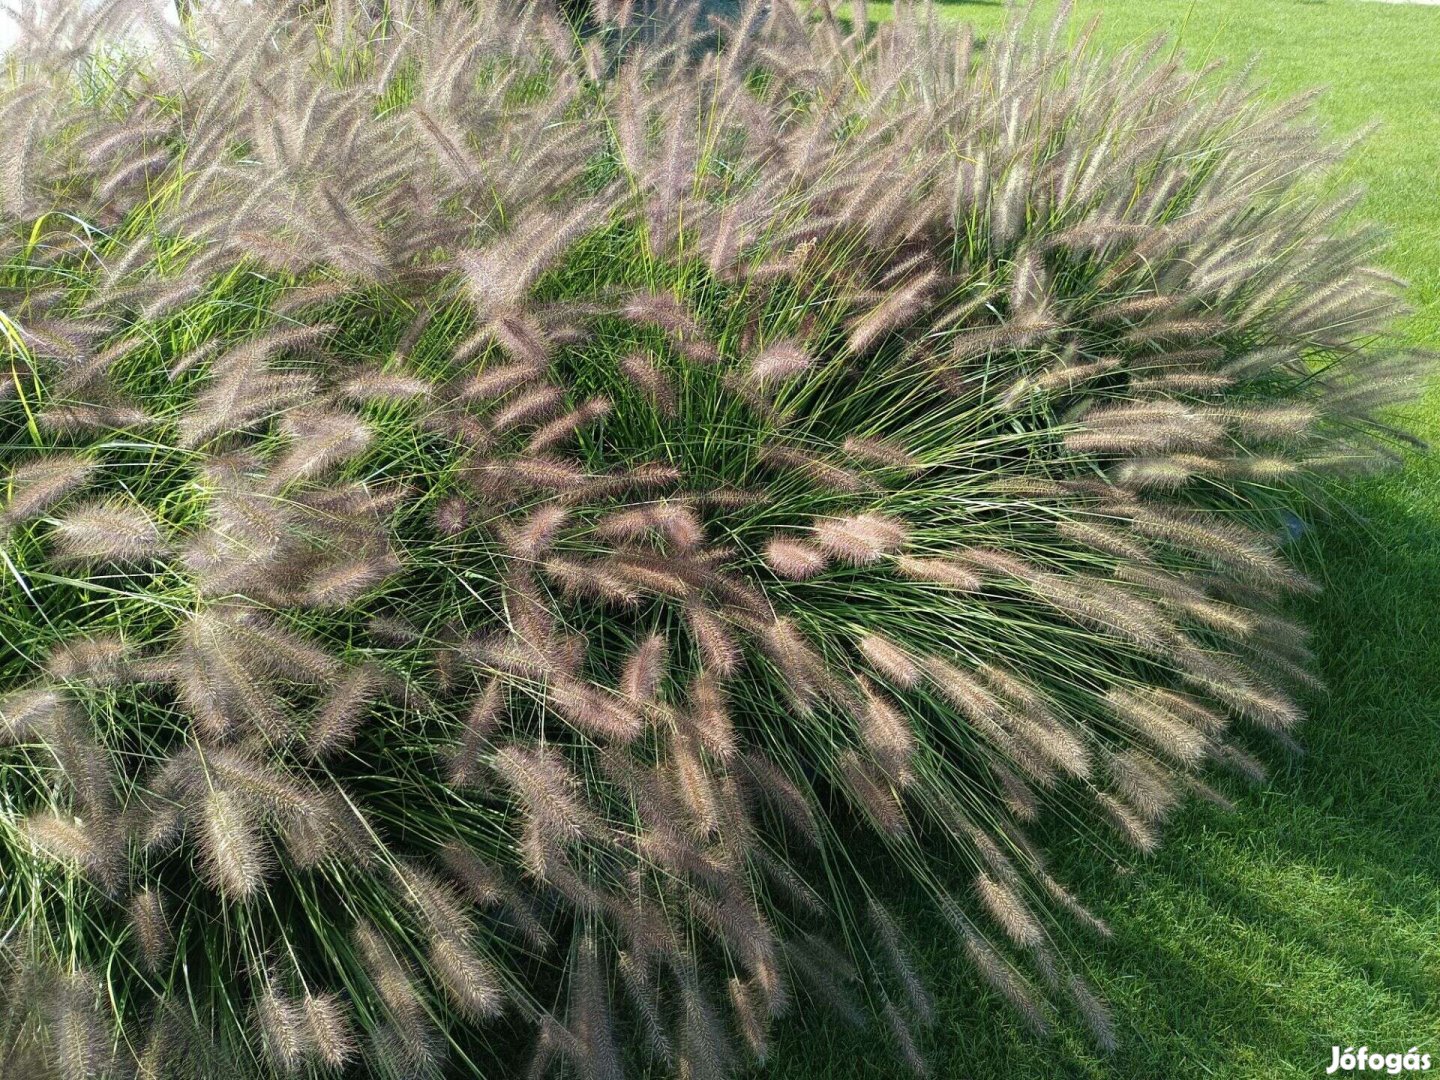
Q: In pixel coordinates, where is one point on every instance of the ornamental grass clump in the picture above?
(526, 543)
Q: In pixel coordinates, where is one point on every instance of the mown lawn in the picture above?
(1255, 941)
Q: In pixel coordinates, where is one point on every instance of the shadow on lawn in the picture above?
(1253, 942)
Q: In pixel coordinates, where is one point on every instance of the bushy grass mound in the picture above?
(522, 539)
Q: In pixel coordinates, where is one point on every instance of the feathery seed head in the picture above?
(794, 559)
(111, 531)
(861, 538)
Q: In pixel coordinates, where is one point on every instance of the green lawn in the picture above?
(1255, 941)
